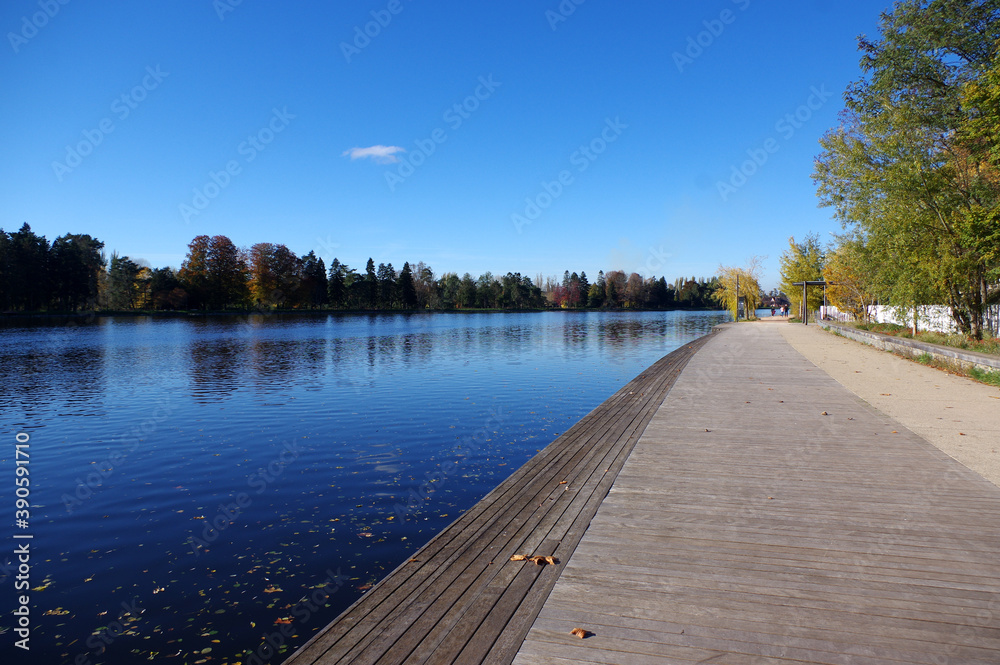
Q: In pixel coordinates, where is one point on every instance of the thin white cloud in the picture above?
(380, 154)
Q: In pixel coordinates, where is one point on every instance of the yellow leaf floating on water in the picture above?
(46, 583)
(272, 589)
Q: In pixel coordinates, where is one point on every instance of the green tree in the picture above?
(121, 283)
(25, 270)
(337, 284)
(407, 290)
(165, 290)
(315, 287)
(904, 167)
(449, 285)
(467, 291)
(76, 262)
(803, 262)
(371, 285)
(488, 291)
(386, 276)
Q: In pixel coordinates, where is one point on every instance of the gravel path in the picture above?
(955, 414)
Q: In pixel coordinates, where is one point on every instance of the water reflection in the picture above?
(398, 423)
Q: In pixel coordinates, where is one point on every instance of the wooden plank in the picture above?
(423, 610)
(829, 538)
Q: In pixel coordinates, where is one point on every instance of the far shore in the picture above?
(323, 312)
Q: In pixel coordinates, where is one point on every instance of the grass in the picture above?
(985, 376)
(924, 358)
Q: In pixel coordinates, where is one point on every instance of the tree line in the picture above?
(74, 274)
(913, 169)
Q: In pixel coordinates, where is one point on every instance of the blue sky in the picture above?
(518, 136)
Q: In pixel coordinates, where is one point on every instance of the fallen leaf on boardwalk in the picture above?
(886, 394)
(538, 560)
(824, 414)
(895, 432)
(961, 433)
(581, 633)
(562, 482)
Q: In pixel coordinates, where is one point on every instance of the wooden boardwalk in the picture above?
(762, 514)
(767, 515)
(460, 599)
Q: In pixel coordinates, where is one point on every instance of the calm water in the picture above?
(199, 486)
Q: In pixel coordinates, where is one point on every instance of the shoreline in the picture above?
(9, 316)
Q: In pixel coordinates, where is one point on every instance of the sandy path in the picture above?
(958, 415)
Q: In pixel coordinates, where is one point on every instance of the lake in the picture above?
(199, 483)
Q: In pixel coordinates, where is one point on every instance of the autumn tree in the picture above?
(853, 272)
(215, 273)
(275, 275)
(740, 283)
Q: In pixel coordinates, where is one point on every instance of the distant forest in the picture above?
(73, 274)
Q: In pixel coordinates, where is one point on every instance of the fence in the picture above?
(931, 317)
